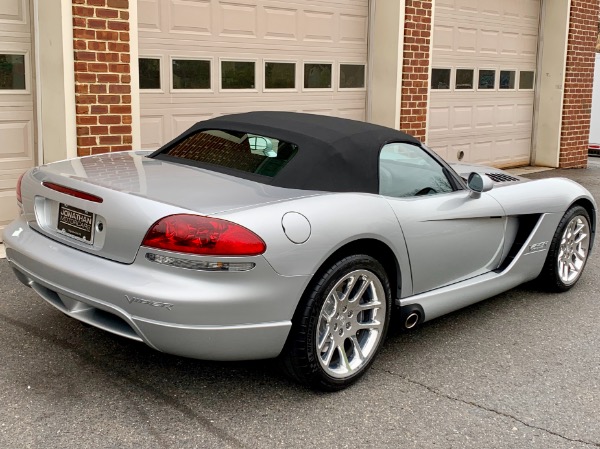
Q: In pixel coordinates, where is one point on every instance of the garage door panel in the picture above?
(484, 117)
(465, 39)
(152, 130)
(157, 124)
(271, 32)
(475, 116)
(357, 113)
(442, 38)
(182, 122)
(529, 44)
(525, 11)
(523, 114)
(194, 17)
(353, 29)
(494, 123)
(318, 25)
(16, 103)
(342, 23)
(14, 17)
(482, 151)
(496, 149)
(466, 6)
(237, 20)
(281, 23)
(505, 115)
(149, 15)
(487, 41)
(16, 141)
(462, 118)
(439, 120)
(509, 44)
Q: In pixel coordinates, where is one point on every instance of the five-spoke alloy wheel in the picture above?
(340, 324)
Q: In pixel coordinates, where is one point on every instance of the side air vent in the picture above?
(527, 224)
(501, 177)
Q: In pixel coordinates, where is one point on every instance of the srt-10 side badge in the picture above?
(538, 246)
(133, 299)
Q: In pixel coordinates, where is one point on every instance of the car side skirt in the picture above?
(526, 266)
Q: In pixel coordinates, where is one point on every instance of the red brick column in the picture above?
(415, 70)
(102, 75)
(579, 80)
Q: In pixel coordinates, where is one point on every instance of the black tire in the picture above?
(550, 278)
(301, 358)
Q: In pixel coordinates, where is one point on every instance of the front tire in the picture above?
(569, 251)
(340, 324)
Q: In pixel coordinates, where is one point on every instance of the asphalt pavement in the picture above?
(520, 370)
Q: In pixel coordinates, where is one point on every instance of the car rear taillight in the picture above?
(19, 195)
(73, 192)
(203, 235)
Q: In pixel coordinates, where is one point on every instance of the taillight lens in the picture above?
(19, 195)
(203, 235)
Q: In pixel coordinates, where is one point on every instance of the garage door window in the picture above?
(464, 78)
(191, 74)
(440, 78)
(317, 76)
(507, 79)
(149, 69)
(526, 79)
(280, 75)
(352, 76)
(238, 75)
(487, 79)
(12, 72)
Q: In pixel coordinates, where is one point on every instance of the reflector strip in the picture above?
(73, 192)
(199, 264)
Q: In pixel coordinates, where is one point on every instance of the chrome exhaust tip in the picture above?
(411, 320)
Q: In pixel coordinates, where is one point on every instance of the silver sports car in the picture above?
(273, 234)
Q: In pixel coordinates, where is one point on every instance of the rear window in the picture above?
(249, 153)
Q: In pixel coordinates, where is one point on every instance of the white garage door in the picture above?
(204, 58)
(482, 81)
(16, 102)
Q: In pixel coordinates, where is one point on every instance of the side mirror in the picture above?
(479, 184)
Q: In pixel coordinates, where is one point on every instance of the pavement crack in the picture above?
(111, 369)
(487, 409)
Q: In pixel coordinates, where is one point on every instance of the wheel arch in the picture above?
(589, 207)
(370, 247)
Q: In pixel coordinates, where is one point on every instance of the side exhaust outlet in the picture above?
(411, 316)
(411, 320)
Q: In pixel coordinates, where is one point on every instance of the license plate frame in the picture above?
(76, 223)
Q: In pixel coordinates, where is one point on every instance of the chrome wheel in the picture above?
(351, 324)
(573, 251)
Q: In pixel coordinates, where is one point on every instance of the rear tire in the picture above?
(339, 325)
(568, 253)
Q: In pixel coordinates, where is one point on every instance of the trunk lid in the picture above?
(136, 192)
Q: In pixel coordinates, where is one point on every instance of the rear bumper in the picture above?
(212, 315)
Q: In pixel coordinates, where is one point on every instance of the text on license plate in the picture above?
(76, 222)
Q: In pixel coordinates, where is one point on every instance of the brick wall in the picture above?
(579, 80)
(598, 39)
(415, 71)
(102, 75)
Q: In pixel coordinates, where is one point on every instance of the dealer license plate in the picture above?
(76, 223)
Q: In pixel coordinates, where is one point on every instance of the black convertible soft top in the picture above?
(335, 154)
